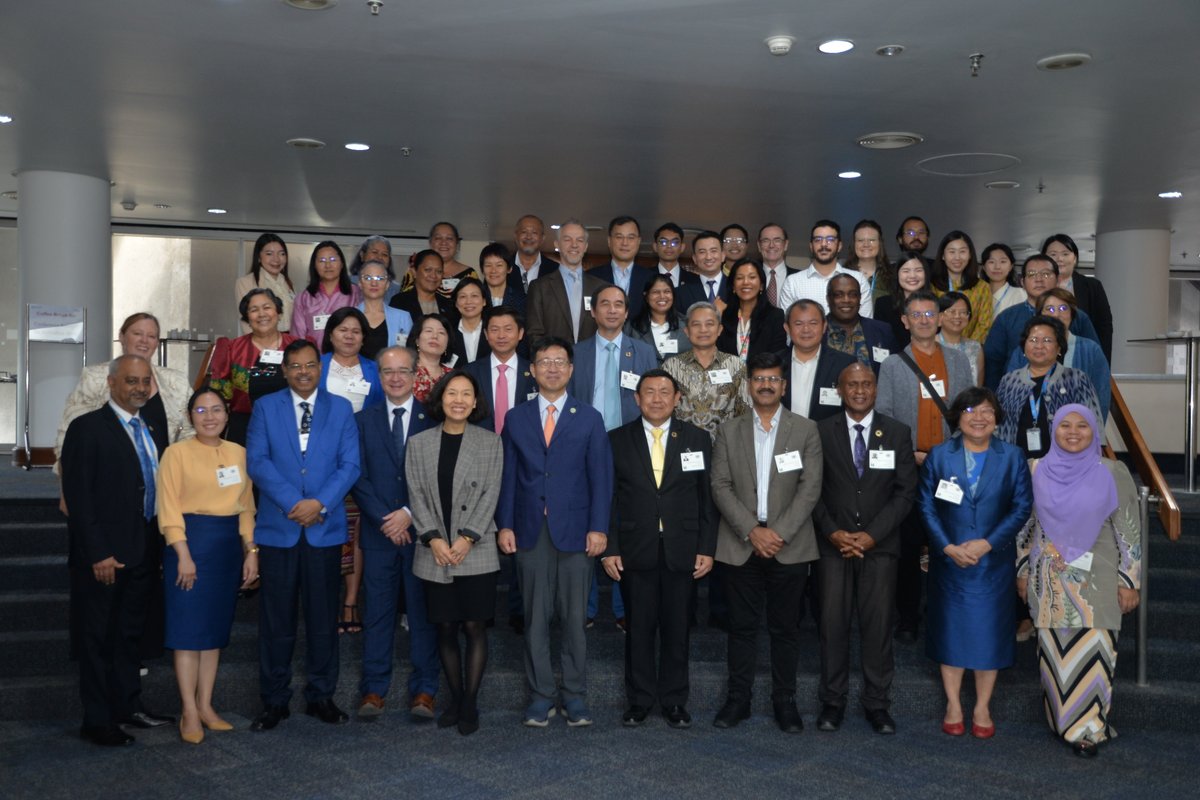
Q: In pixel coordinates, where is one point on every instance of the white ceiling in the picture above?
(664, 109)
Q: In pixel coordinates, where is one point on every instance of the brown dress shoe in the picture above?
(421, 706)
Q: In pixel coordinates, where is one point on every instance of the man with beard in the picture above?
(913, 234)
(824, 245)
(867, 340)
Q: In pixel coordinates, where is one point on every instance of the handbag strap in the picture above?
(921, 376)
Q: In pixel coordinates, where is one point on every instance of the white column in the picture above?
(65, 240)
(1134, 266)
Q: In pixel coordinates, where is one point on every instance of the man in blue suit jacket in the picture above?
(624, 241)
(302, 453)
(554, 506)
(387, 542)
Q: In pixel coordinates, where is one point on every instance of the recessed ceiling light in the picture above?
(889, 50)
(850, 174)
(5, 119)
(1170, 195)
(217, 211)
(311, 5)
(1002, 185)
(305, 143)
(1062, 61)
(162, 205)
(834, 46)
(358, 147)
(889, 140)
(9, 195)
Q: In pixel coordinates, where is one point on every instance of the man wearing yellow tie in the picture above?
(662, 537)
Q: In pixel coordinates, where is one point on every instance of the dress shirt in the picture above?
(296, 401)
(647, 427)
(764, 455)
(601, 389)
(717, 281)
(558, 404)
(674, 273)
(812, 285)
(573, 282)
(407, 405)
(704, 403)
(147, 440)
(781, 273)
(512, 377)
(621, 275)
(471, 340)
(866, 423)
(801, 381)
(528, 275)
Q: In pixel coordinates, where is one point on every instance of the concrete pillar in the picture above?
(64, 234)
(1134, 266)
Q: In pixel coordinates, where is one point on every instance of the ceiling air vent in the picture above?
(889, 140)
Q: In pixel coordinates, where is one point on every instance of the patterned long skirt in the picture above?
(1077, 667)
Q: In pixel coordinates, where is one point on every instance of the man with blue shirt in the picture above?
(624, 241)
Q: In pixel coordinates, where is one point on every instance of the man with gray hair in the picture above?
(560, 304)
(712, 383)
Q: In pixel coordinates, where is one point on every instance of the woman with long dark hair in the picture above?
(329, 288)
(956, 269)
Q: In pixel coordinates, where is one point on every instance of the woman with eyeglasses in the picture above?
(999, 269)
(954, 314)
(1090, 296)
(658, 323)
(386, 326)
(869, 256)
(956, 269)
(268, 270)
(1031, 395)
(329, 288)
(377, 249)
(910, 275)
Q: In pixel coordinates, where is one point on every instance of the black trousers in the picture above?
(763, 586)
(864, 586)
(909, 578)
(657, 614)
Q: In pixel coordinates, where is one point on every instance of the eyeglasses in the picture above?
(669, 242)
(734, 240)
(201, 410)
(916, 232)
(771, 379)
(329, 260)
(1056, 309)
(1041, 340)
(917, 315)
(555, 363)
(825, 239)
(373, 278)
(776, 241)
(402, 372)
(1044, 274)
(981, 411)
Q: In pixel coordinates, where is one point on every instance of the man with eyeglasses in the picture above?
(735, 243)
(1038, 276)
(714, 285)
(867, 340)
(560, 303)
(555, 500)
(825, 243)
(624, 241)
(669, 246)
(766, 480)
(387, 542)
(916, 387)
(302, 454)
(527, 256)
(712, 383)
(913, 234)
(772, 246)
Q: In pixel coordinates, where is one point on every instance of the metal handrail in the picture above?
(1145, 465)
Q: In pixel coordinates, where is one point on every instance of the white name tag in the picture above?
(449, 284)
(401, 338)
(719, 377)
(830, 397)
(881, 459)
(789, 461)
(587, 304)
(939, 386)
(531, 396)
(629, 380)
(304, 442)
(879, 354)
(359, 386)
(1084, 562)
(271, 357)
(949, 491)
(1033, 440)
(453, 360)
(230, 476)
(319, 322)
(692, 462)
(667, 345)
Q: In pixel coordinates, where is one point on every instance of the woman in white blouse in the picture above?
(469, 341)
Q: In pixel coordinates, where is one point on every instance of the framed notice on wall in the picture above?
(55, 324)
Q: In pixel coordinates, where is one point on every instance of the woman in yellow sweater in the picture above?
(206, 514)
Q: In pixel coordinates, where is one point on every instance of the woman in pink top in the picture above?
(329, 288)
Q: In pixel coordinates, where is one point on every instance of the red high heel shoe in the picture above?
(953, 728)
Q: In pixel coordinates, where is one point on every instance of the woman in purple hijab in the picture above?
(1078, 567)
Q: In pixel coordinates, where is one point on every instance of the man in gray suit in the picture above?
(766, 479)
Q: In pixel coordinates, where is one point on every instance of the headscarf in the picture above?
(1073, 493)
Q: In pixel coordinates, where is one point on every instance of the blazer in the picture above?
(382, 486)
(697, 291)
(899, 394)
(458, 346)
(875, 334)
(634, 356)
(878, 501)
(547, 266)
(481, 370)
(548, 312)
(689, 282)
(830, 364)
(1093, 300)
(103, 487)
(370, 371)
(639, 276)
(399, 324)
(791, 496)
(284, 477)
(514, 296)
(407, 301)
(566, 486)
(474, 493)
(767, 333)
(683, 503)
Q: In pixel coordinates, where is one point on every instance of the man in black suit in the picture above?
(669, 245)
(624, 241)
(870, 482)
(109, 465)
(867, 340)
(811, 368)
(528, 262)
(713, 285)
(663, 539)
(773, 246)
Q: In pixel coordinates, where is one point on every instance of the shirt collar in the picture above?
(407, 405)
(121, 413)
(774, 419)
(866, 421)
(646, 426)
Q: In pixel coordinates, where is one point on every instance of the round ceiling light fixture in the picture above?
(358, 147)
(162, 205)
(1063, 61)
(305, 143)
(850, 174)
(963, 165)
(1170, 195)
(311, 5)
(5, 119)
(836, 46)
(1002, 185)
(889, 50)
(889, 140)
(779, 45)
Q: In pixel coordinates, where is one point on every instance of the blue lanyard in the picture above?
(1035, 403)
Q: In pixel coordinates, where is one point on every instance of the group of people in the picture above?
(795, 437)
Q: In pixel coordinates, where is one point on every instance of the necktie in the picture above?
(398, 433)
(524, 279)
(305, 422)
(772, 292)
(658, 458)
(548, 428)
(612, 389)
(712, 295)
(501, 397)
(139, 444)
(860, 450)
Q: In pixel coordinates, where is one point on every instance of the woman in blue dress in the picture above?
(975, 497)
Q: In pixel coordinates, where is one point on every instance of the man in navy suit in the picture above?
(713, 285)
(302, 453)
(811, 368)
(387, 542)
(867, 340)
(555, 500)
(624, 241)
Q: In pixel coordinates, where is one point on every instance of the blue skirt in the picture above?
(202, 618)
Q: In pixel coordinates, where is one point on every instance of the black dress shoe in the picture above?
(326, 711)
(881, 721)
(787, 717)
(733, 712)
(1085, 748)
(906, 634)
(269, 718)
(677, 717)
(106, 735)
(634, 716)
(146, 720)
(830, 718)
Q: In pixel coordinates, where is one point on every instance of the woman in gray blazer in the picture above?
(453, 473)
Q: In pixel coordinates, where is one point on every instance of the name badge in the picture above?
(629, 380)
(719, 377)
(453, 360)
(1033, 440)
(788, 462)
(1084, 562)
(232, 476)
(271, 357)
(939, 386)
(319, 322)
(401, 338)
(692, 462)
(587, 304)
(304, 442)
(881, 459)
(449, 284)
(830, 397)
(880, 353)
(531, 396)
(949, 491)
(359, 386)
(667, 345)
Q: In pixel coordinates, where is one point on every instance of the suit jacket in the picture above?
(473, 505)
(876, 334)
(284, 477)
(899, 394)
(634, 356)
(878, 501)
(566, 486)
(547, 266)
(830, 364)
(514, 296)
(639, 276)
(382, 486)
(697, 291)
(399, 324)
(1091, 297)
(548, 312)
(791, 495)
(458, 346)
(370, 371)
(407, 301)
(766, 329)
(689, 282)
(481, 370)
(683, 503)
(103, 487)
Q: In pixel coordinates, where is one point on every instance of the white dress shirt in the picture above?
(812, 285)
(866, 423)
(804, 373)
(764, 456)
(674, 273)
(471, 340)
